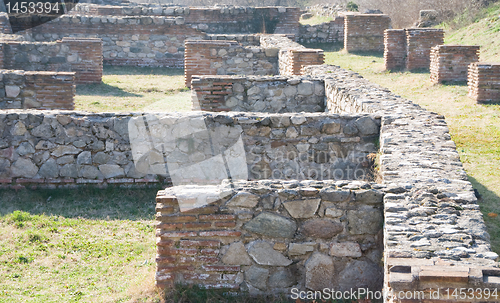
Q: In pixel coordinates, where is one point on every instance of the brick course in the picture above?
(365, 32)
(449, 63)
(484, 82)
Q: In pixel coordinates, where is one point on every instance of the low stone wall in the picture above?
(434, 234)
(365, 32)
(276, 94)
(242, 39)
(221, 19)
(268, 237)
(327, 32)
(39, 90)
(395, 49)
(54, 148)
(292, 56)
(484, 82)
(128, 40)
(418, 45)
(79, 55)
(214, 57)
(449, 63)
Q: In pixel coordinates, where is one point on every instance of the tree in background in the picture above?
(352, 7)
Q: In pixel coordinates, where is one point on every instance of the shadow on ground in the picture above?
(103, 89)
(112, 203)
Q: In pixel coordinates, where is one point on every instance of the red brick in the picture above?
(220, 233)
(200, 243)
(217, 217)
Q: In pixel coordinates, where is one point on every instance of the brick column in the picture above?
(394, 49)
(418, 45)
(87, 64)
(450, 62)
(484, 82)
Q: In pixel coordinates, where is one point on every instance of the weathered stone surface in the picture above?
(49, 169)
(236, 254)
(319, 272)
(111, 171)
(321, 228)
(333, 212)
(12, 91)
(371, 196)
(345, 249)
(367, 126)
(244, 199)
(42, 131)
(24, 168)
(272, 225)
(69, 171)
(295, 249)
(301, 209)
(281, 278)
(84, 158)
(333, 195)
(257, 276)
(25, 148)
(366, 220)
(264, 254)
(361, 274)
(65, 150)
(101, 158)
(19, 129)
(89, 172)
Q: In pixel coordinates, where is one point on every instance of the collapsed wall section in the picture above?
(449, 63)
(434, 233)
(484, 82)
(80, 55)
(53, 148)
(276, 94)
(218, 57)
(38, 90)
(365, 32)
(268, 236)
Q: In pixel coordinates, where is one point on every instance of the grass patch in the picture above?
(78, 245)
(125, 88)
(475, 128)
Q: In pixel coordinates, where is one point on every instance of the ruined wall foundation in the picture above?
(365, 32)
(450, 63)
(484, 82)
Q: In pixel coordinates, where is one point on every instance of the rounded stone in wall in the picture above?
(361, 274)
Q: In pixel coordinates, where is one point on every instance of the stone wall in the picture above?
(395, 49)
(292, 55)
(82, 56)
(276, 94)
(327, 32)
(449, 63)
(218, 57)
(39, 90)
(268, 237)
(54, 148)
(418, 45)
(410, 48)
(365, 32)
(484, 82)
(5, 24)
(223, 20)
(134, 40)
(434, 233)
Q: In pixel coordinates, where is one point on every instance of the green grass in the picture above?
(78, 245)
(132, 89)
(475, 128)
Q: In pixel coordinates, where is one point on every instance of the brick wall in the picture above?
(327, 32)
(38, 90)
(292, 55)
(449, 63)
(271, 237)
(134, 40)
(395, 49)
(418, 45)
(217, 57)
(484, 82)
(276, 94)
(365, 32)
